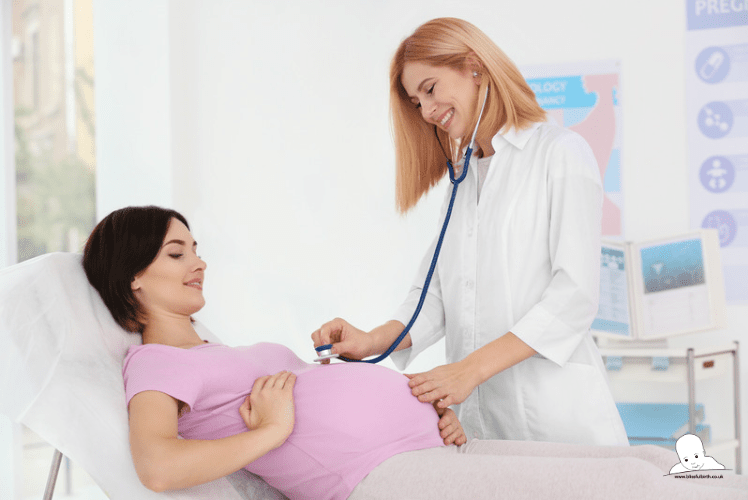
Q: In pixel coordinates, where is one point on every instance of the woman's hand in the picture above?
(445, 385)
(450, 428)
(270, 405)
(346, 339)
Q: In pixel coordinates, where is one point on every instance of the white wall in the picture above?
(266, 123)
(133, 128)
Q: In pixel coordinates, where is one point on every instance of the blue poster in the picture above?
(717, 126)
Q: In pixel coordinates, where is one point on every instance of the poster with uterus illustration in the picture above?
(585, 98)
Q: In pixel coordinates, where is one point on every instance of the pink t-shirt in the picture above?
(350, 417)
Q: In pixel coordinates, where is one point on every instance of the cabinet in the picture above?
(639, 367)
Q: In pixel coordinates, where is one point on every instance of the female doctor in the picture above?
(516, 286)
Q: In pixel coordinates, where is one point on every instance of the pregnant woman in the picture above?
(313, 432)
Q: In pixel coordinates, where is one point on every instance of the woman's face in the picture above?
(445, 97)
(173, 283)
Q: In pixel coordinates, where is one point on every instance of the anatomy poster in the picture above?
(716, 58)
(586, 99)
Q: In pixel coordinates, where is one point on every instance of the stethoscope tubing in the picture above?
(455, 184)
(432, 267)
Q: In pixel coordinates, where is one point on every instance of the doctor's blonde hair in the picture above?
(459, 45)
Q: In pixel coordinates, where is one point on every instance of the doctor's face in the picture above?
(446, 97)
(173, 283)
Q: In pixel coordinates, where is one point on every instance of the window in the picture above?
(55, 125)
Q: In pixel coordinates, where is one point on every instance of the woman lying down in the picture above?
(345, 430)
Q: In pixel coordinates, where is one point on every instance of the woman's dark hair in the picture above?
(121, 246)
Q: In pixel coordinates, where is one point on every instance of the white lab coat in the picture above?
(524, 259)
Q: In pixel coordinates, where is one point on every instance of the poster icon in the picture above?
(724, 223)
(692, 456)
(712, 64)
(715, 120)
(717, 174)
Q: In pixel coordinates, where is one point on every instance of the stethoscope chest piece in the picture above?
(324, 352)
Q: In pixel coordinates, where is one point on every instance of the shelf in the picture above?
(708, 362)
(639, 368)
(607, 349)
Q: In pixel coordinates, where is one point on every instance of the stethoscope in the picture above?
(325, 351)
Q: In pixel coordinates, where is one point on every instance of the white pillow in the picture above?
(61, 376)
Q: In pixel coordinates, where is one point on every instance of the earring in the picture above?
(475, 74)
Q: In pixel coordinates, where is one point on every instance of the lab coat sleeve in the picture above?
(429, 327)
(556, 325)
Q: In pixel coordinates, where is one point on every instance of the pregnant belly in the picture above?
(349, 418)
(361, 403)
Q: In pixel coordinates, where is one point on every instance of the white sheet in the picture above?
(60, 375)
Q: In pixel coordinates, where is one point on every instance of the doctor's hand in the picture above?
(270, 405)
(346, 339)
(445, 385)
(450, 428)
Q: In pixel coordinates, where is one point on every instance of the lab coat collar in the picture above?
(517, 138)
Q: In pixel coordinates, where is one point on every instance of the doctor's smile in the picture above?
(445, 117)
